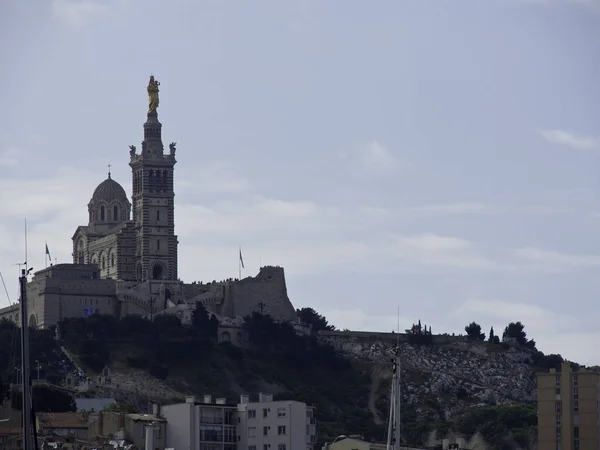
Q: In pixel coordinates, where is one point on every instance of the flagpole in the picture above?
(240, 263)
(45, 256)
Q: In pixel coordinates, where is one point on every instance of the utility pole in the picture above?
(25, 377)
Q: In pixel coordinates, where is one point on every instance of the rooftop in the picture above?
(63, 420)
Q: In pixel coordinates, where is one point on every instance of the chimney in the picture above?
(244, 399)
(155, 409)
(190, 399)
(220, 401)
(207, 399)
(264, 397)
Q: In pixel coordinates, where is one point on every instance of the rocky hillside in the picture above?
(455, 387)
(442, 381)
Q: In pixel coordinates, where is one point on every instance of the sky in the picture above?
(437, 158)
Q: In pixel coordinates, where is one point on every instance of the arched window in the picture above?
(102, 213)
(157, 214)
(103, 262)
(112, 260)
(115, 212)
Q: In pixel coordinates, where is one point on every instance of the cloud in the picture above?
(217, 176)
(373, 158)
(569, 139)
(434, 251)
(9, 157)
(459, 208)
(552, 261)
(78, 13)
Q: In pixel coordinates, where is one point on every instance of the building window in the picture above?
(576, 405)
(265, 412)
(557, 391)
(558, 380)
(557, 445)
(557, 432)
(265, 431)
(557, 407)
(281, 447)
(558, 419)
(252, 432)
(281, 430)
(115, 212)
(576, 444)
(575, 393)
(103, 262)
(281, 412)
(251, 413)
(575, 379)
(157, 214)
(112, 260)
(102, 213)
(576, 432)
(265, 446)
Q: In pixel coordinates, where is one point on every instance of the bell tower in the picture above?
(153, 200)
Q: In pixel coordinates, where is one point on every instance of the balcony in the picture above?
(217, 437)
(211, 420)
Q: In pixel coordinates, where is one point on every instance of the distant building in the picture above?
(73, 424)
(142, 430)
(276, 425)
(352, 443)
(125, 260)
(200, 424)
(568, 409)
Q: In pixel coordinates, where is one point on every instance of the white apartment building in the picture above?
(275, 425)
(201, 424)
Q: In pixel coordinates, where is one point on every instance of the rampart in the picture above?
(265, 293)
(438, 339)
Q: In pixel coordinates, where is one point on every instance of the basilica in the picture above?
(125, 258)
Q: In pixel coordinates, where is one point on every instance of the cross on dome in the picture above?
(109, 166)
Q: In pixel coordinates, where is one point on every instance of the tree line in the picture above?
(514, 330)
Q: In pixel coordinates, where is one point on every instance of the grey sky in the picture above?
(442, 157)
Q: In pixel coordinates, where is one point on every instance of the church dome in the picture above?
(109, 190)
(109, 205)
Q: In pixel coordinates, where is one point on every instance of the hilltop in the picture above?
(449, 385)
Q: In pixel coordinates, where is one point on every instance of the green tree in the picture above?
(516, 330)
(205, 324)
(474, 332)
(311, 317)
(121, 407)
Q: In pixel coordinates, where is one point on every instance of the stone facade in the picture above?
(126, 263)
(154, 206)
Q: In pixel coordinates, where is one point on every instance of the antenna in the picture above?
(25, 243)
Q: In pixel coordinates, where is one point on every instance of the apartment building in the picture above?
(201, 424)
(275, 425)
(568, 409)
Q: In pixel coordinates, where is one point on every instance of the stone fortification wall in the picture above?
(10, 313)
(438, 339)
(265, 293)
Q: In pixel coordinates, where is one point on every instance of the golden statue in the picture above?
(152, 94)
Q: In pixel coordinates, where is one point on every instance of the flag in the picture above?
(48, 252)
(241, 259)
